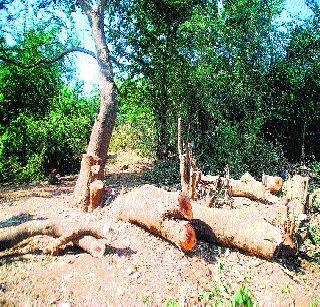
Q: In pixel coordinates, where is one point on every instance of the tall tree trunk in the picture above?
(162, 146)
(103, 126)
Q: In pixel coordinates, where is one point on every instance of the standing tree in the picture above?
(104, 123)
(103, 126)
(146, 33)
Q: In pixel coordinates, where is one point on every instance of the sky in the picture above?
(88, 68)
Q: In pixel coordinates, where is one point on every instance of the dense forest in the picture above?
(244, 77)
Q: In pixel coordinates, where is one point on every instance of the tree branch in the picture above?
(86, 8)
(101, 6)
(48, 61)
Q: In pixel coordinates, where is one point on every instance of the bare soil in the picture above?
(139, 268)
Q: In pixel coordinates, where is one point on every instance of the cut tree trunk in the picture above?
(297, 191)
(103, 126)
(84, 234)
(245, 229)
(163, 213)
(183, 161)
(97, 194)
(82, 191)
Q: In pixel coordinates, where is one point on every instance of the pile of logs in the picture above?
(266, 232)
(203, 210)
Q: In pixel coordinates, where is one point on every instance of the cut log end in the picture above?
(190, 241)
(185, 206)
(179, 232)
(272, 184)
(97, 194)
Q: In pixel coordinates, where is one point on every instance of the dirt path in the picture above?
(138, 268)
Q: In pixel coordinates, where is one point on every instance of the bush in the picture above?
(31, 147)
(135, 127)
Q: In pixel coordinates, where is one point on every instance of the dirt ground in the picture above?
(138, 268)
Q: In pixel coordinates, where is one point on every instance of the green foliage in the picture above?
(30, 91)
(213, 297)
(31, 147)
(314, 233)
(163, 171)
(315, 302)
(246, 85)
(135, 128)
(172, 303)
(242, 297)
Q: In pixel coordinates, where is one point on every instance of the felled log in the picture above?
(163, 213)
(245, 229)
(84, 234)
(248, 187)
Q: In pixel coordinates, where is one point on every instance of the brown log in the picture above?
(248, 187)
(84, 235)
(245, 229)
(160, 212)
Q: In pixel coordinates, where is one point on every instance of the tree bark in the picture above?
(84, 234)
(183, 161)
(163, 213)
(297, 191)
(103, 126)
(242, 228)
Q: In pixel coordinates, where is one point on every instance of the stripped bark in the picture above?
(163, 213)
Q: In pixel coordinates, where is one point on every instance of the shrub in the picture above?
(30, 147)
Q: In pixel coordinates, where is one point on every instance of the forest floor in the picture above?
(138, 268)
